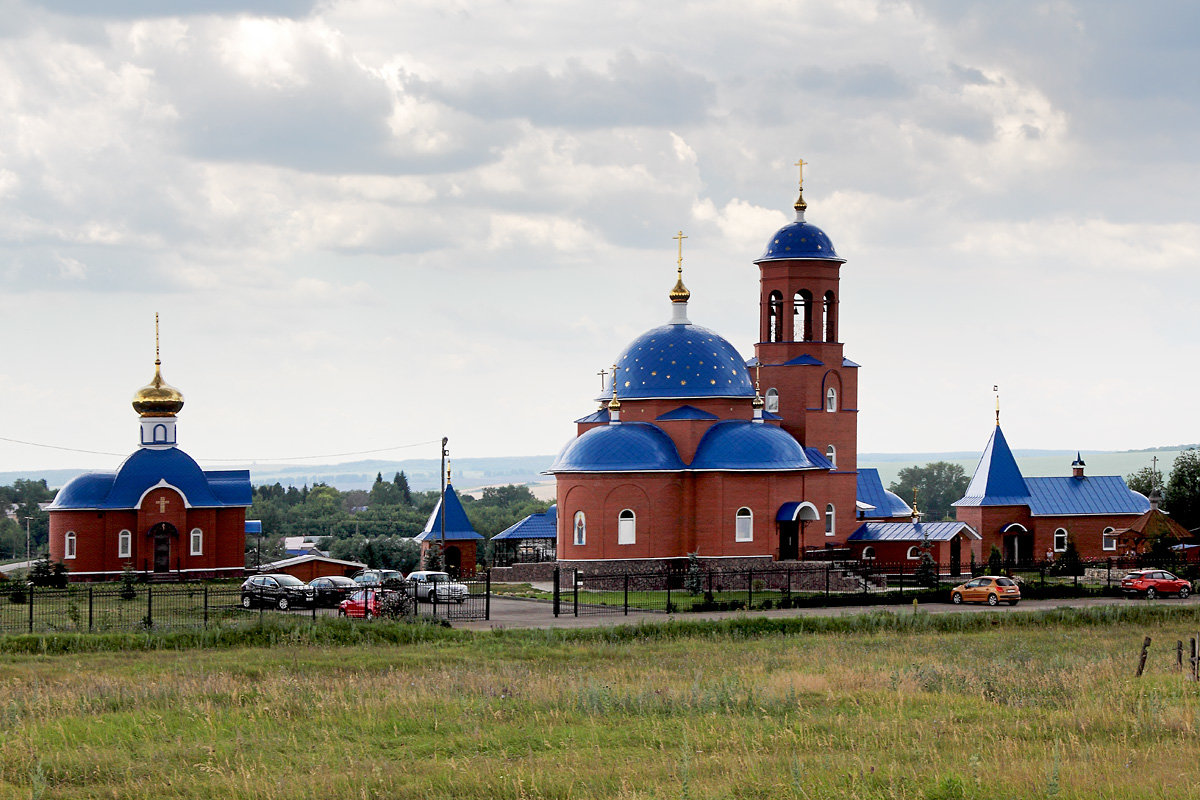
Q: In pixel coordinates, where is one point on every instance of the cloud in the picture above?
(140, 9)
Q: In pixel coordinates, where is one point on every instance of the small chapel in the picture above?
(159, 513)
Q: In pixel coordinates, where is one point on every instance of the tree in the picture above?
(1143, 480)
(938, 484)
(433, 557)
(1183, 489)
(995, 561)
(401, 483)
(1069, 562)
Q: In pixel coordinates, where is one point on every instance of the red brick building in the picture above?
(1032, 519)
(694, 449)
(159, 512)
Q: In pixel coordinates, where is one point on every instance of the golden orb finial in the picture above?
(157, 398)
(679, 292)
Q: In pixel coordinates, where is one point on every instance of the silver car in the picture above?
(426, 585)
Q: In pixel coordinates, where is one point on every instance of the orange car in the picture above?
(990, 589)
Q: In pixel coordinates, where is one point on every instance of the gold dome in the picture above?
(757, 403)
(158, 398)
(680, 293)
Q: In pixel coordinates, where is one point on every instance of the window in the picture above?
(743, 525)
(124, 544)
(197, 542)
(831, 454)
(868, 553)
(831, 399)
(773, 400)
(1060, 540)
(626, 527)
(802, 316)
(830, 515)
(830, 331)
(774, 317)
(1108, 539)
(69, 549)
(914, 553)
(580, 528)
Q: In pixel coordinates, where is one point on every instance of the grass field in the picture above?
(886, 706)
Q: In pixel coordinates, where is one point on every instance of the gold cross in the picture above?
(679, 237)
(614, 374)
(801, 164)
(162, 505)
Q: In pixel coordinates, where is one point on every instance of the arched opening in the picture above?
(772, 400)
(802, 323)
(580, 528)
(162, 534)
(1108, 539)
(1060, 540)
(743, 525)
(830, 317)
(160, 433)
(831, 399)
(792, 519)
(831, 454)
(453, 558)
(830, 519)
(775, 317)
(868, 553)
(626, 527)
(914, 553)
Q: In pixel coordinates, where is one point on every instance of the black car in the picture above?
(279, 590)
(332, 590)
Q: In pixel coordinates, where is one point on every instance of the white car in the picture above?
(425, 583)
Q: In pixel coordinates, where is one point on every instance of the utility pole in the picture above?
(27, 540)
(442, 506)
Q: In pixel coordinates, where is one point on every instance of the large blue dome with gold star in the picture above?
(677, 361)
(799, 239)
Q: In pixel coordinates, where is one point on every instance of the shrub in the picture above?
(693, 582)
(995, 562)
(128, 578)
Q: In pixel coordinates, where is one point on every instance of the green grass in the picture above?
(883, 705)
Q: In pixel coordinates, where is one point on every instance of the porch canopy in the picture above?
(797, 511)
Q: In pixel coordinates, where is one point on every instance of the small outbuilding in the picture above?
(893, 545)
(313, 565)
(452, 531)
(530, 541)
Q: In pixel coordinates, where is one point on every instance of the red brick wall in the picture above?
(1086, 529)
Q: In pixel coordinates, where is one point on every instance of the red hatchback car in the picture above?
(363, 604)
(1153, 582)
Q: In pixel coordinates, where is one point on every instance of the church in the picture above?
(695, 449)
(159, 513)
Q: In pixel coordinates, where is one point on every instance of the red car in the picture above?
(363, 604)
(1153, 582)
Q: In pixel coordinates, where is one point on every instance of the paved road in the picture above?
(512, 613)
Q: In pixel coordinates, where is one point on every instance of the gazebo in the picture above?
(530, 541)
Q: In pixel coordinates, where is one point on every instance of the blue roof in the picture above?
(595, 416)
(742, 445)
(799, 239)
(1100, 494)
(680, 360)
(458, 526)
(910, 531)
(685, 412)
(790, 512)
(818, 458)
(848, 363)
(623, 447)
(535, 526)
(871, 491)
(253, 526)
(997, 480)
(147, 468)
(804, 361)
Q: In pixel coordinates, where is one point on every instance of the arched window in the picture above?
(69, 548)
(773, 400)
(197, 542)
(802, 308)
(1108, 539)
(914, 553)
(1060, 540)
(831, 454)
(160, 433)
(124, 544)
(743, 525)
(830, 331)
(626, 527)
(580, 528)
(868, 553)
(830, 519)
(831, 399)
(775, 317)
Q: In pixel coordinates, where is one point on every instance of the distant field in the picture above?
(691, 711)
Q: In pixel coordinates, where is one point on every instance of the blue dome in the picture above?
(799, 240)
(146, 469)
(623, 447)
(743, 445)
(679, 361)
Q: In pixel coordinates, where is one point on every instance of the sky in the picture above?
(368, 224)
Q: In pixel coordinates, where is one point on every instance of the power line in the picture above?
(228, 460)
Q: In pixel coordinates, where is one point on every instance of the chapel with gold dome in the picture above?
(159, 512)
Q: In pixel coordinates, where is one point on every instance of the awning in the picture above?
(1014, 527)
(793, 511)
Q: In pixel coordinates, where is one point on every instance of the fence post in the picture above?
(557, 573)
(487, 593)
(828, 565)
(206, 605)
(1108, 578)
(627, 594)
(89, 607)
(575, 589)
(710, 591)
(789, 583)
(667, 575)
(149, 605)
(902, 579)
(31, 608)
(749, 589)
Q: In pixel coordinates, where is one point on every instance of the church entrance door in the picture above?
(956, 556)
(163, 533)
(453, 561)
(789, 540)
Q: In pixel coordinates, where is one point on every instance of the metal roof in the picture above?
(997, 480)
(685, 413)
(535, 526)
(1098, 494)
(885, 504)
(147, 469)
(595, 416)
(623, 447)
(804, 361)
(791, 511)
(749, 446)
(458, 526)
(680, 360)
(799, 239)
(911, 531)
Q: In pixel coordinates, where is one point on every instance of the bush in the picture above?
(18, 595)
(693, 582)
(995, 562)
(128, 578)
(48, 574)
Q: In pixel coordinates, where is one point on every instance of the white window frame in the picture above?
(1108, 539)
(70, 545)
(772, 400)
(579, 526)
(831, 454)
(830, 519)
(743, 525)
(196, 542)
(125, 544)
(831, 399)
(868, 553)
(627, 526)
(1063, 532)
(914, 553)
